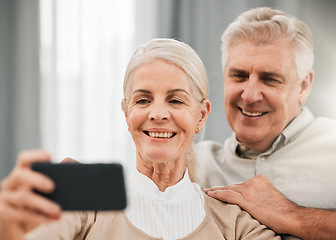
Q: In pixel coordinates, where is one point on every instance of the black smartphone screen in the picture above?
(81, 187)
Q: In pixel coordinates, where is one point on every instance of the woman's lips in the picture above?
(160, 134)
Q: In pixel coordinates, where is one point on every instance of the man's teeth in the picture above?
(252, 114)
(160, 135)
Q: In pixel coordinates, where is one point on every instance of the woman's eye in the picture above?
(142, 101)
(176, 101)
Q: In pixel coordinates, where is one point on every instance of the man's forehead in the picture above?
(263, 62)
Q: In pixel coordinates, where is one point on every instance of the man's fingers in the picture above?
(226, 195)
(234, 187)
(213, 189)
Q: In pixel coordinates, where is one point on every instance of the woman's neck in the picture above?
(163, 174)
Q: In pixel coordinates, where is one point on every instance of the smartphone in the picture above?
(81, 187)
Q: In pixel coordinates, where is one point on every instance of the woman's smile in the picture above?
(160, 134)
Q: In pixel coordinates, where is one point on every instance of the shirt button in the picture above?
(242, 147)
(263, 158)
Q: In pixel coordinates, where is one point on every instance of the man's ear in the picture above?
(204, 113)
(306, 86)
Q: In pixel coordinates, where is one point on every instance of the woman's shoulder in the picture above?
(218, 208)
(234, 221)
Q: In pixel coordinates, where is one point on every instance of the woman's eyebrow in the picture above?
(141, 91)
(178, 90)
(169, 91)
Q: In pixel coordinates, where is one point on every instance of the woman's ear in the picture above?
(205, 110)
(124, 106)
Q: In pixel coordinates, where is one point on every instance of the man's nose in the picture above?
(252, 90)
(159, 112)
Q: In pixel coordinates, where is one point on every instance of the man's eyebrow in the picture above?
(238, 71)
(264, 73)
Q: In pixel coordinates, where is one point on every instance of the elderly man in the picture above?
(280, 163)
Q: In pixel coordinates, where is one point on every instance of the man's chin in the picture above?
(250, 140)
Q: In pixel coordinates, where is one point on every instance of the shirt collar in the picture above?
(287, 135)
(297, 125)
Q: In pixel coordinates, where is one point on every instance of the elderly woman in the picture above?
(165, 104)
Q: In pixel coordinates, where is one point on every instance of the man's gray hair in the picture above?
(264, 26)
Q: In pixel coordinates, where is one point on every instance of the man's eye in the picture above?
(238, 77)
(272, 81)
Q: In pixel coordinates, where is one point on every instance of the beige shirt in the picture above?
(222, 221)
(301, 162)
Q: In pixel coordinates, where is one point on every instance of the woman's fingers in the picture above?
(26, 205)
(21, 208)
(27, 179)
(27, 157)
(18, 198)
(23, 177)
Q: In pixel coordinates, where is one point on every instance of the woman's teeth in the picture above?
(160, 135)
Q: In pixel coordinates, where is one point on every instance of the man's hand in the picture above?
(262, 200)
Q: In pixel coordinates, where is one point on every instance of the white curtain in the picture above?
(85, 48)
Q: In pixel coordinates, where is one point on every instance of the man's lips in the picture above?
(251, 113)
(160, 134)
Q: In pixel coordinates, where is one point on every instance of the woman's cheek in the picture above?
(135, 118)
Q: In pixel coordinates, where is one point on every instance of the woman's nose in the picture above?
(159, 112)
(252, 91)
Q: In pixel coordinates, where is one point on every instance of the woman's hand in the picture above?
(21, 209)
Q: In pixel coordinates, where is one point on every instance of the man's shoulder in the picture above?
(324, 121)
(315, 123)
(209, 150)
(309, 129)
(321, 126)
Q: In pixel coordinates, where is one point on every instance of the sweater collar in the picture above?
(144, 185)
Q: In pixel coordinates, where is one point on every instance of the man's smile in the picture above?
(252, 114)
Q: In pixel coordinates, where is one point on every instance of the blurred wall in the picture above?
(197, 22)
(19, 80)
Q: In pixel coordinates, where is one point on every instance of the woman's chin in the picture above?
(159, 157)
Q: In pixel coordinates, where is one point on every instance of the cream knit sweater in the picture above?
(222, 221)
